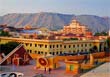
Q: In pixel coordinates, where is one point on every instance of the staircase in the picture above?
(19, 46)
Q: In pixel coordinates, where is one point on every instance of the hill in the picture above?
(54, 21)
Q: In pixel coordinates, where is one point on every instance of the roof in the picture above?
(31, 31)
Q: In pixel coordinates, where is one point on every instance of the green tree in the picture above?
(108, 42)
(97, 34)
(2, 33)
(66, 39)
(93, 49)
(101, 34)
(8, 47)
(69, 39)
(73, 38)
(104, 33)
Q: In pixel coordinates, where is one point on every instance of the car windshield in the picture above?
(3, 75)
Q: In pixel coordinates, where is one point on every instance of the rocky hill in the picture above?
(55, 21)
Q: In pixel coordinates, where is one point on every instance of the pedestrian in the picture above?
(13, 67)
(96, 62)
(45, 70)
(49, 70)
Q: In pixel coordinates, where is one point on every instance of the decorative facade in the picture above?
(77, 29)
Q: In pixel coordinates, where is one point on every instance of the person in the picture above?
(13, 67)
(49, 70)
(96, 62)
(45, 70)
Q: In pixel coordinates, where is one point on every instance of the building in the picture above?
(56, 47)
(29, 33)
(77, 30)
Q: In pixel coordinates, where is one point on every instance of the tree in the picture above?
(40, 36)
(73, 38)
(93, 49)
(69, 39)
(104, 33)
(8, 47)
(101, 34)
(66, 39)
(108, 42)
(3, 33)
(97, 34)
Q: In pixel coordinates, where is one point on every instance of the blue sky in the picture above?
(78, 7)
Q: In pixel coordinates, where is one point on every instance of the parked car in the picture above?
(11, 74)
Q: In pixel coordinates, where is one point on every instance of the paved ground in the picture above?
(101, 71)
(29, 71)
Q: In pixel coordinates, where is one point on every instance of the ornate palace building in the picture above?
(77, 29)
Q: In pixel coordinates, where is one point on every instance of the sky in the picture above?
(77, 7)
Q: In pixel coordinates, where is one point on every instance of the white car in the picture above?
(11, 74)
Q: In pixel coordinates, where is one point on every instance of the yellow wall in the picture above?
(35, 46)
(75, 65)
